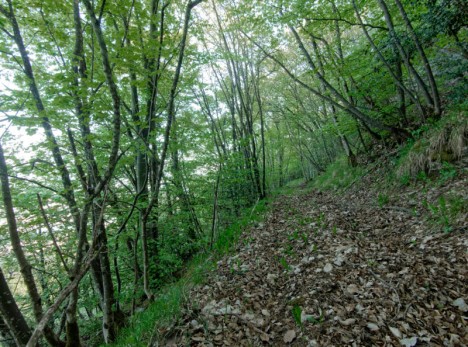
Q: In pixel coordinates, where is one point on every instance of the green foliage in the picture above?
(338, 175)
(314, 320)
(447, 172)
(334, 230)
(284, 263)
(293, 236)
(297, 315)
(433, 149)
(445, 210)
(165, 310)
(382, 200)
(228, 237)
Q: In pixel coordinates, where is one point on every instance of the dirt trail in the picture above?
(328, 271)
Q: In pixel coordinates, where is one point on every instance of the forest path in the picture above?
(328, 271)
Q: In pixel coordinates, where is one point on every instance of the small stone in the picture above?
(226, 310)
(372, 326)
(359, 308)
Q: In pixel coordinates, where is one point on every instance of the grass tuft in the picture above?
(443, 143)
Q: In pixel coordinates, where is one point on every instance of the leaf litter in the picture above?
(353, 273)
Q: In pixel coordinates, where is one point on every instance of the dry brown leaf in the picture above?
(409, 342)
(347, 322)
(328, 268)
(396, 332)
(289, 336)
(264, 337)
(376, 273)
(352, 289)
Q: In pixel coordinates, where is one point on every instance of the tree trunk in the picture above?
(404, 55)
(396, 76)
(25, 267)
(422, 54)
(9, 313)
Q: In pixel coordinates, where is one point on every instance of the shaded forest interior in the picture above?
(135, 134)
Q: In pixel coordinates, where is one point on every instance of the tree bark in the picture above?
(422, 54)
(11, 314)
(396, 75)
(404, 55)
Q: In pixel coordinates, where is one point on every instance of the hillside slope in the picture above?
(359, 268)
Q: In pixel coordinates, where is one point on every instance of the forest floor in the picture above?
(355, 269)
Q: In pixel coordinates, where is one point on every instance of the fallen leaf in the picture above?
(349, 321)
(338, 260)
(372, 326)
(396, 332)
(345, 280)
(328, 268)
(352, 289)
(264, 337)
(461, 304)
(410, 342)
(289, 336)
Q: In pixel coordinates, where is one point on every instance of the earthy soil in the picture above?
(340, 270)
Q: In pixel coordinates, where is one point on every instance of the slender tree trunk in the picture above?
(400, 91)
(395, 75)
(344, 140)
(215, 208)
(9, 313)
(25, 266)
(108, 298)
(422, 54)
(404, 55)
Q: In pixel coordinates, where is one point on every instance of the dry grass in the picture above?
(445, 143)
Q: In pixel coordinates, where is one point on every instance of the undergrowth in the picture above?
(433, 148)
(338, 175)
(143, 327)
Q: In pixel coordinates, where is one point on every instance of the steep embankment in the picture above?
(358, 269)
